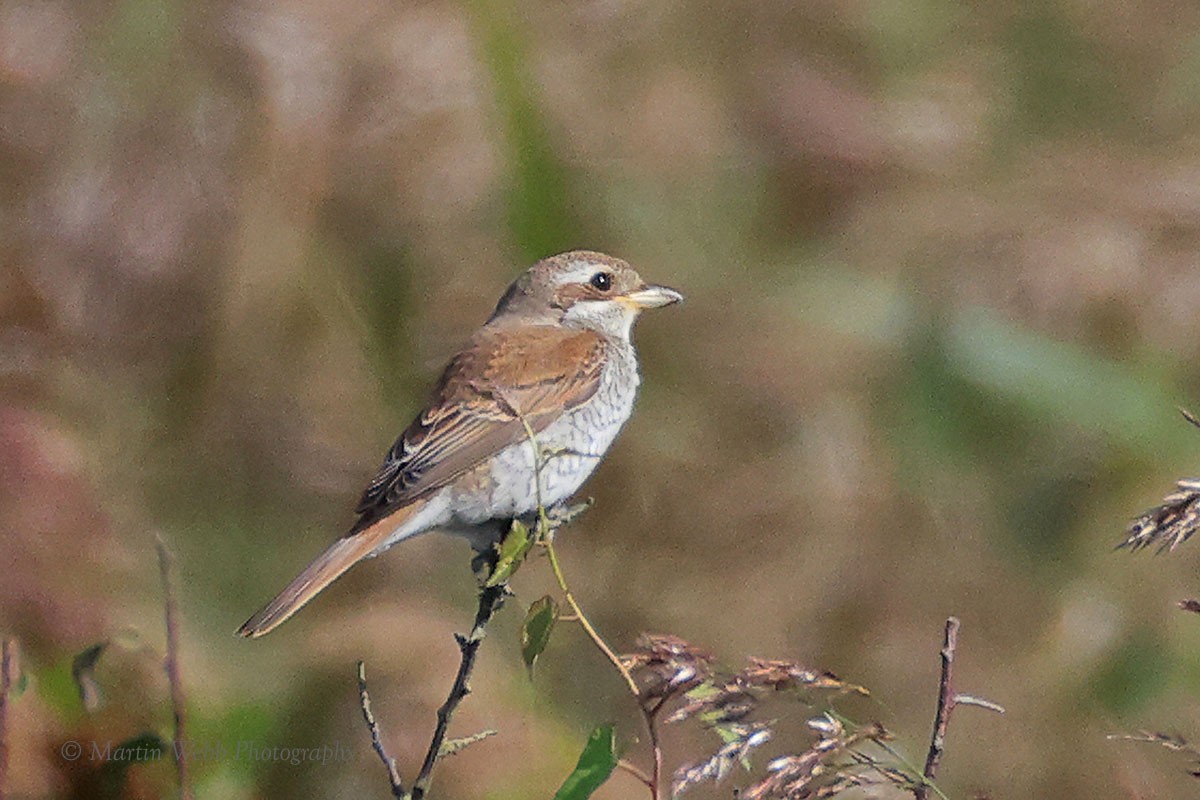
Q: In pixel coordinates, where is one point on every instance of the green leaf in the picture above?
(596, 763)
(535, 630)
(513, 550)
(541, 213)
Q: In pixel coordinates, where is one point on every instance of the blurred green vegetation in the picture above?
(942, 266)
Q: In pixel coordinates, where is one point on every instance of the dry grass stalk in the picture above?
(1172, 522)
(171, 665)
(669, 670)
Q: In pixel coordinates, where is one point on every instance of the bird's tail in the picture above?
(324, 570)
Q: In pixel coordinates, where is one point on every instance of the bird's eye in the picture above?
(602, 281)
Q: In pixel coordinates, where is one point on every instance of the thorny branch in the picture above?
(945, 705)
(490, 600)
(947, 702)
(171, 665)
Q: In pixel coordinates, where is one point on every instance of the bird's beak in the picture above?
(652, 297)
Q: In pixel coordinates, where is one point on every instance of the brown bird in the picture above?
(555, 355)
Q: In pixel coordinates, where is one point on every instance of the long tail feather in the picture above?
(328, 567)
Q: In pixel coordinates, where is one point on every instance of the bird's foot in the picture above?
(564, 513)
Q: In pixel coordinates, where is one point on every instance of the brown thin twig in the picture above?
(8, 662)
(364, 702)
(945, 705)
(635, 771)
(490, 600)
(948, 700)
(171, 665)
(656, 749)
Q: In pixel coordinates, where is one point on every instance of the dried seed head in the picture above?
(1170, 524)
(665, 666)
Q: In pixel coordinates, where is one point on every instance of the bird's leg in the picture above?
(487, 552)
(564, 513)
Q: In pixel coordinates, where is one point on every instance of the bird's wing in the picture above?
(504, 378)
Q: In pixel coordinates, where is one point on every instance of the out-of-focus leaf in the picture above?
(388, 273)
(596, 763)
(1048, 380)
(56, 687)
(249, 723)
(538, 199)
(14, 679)
(1132, 676)
(513, 550)
(144, 748)
(83, 669)
(1062, 381)
(1062, 81)
(142, 37)
(536, 629)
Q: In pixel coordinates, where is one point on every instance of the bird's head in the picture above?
(584, 289)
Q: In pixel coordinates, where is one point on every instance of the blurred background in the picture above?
(943, 269)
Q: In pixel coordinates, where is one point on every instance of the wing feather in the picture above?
(504, 374)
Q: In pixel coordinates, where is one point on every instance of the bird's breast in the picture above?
(571, 449)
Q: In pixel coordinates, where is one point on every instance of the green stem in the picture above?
(583, 621)
(545, 535)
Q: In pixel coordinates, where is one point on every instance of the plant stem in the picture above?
(171, 665)
(546, 538)
(364, 702)
(647, 716)
(583, 621)
(490, 600)
(945, 706)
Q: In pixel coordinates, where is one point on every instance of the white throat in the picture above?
(608, 317)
